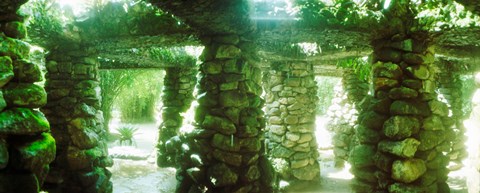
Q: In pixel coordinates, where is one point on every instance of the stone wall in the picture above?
(473, 176)
(177, 97)
(343, 114)
(451, 86)
(26, 145)
(403, 132)
(73, 109)
(291, 99)
(225, 152)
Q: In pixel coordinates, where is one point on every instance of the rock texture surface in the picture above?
(343, 115)
(452, 87)
(225, 151)
(291, 105)
(26, 145)
(473, 182)
(177, 97)
(73, 108)
(411, 123)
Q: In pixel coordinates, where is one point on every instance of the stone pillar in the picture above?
(451, 86)
(224, 152)
(73, 109)
(403, 133)
(473, 177)
(291, 107)
(178, 87)
(343, 114)
(26, 146)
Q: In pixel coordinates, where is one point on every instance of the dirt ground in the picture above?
(135, 171)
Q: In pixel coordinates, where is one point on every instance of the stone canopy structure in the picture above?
(52, 137)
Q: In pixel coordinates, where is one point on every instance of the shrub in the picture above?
(126, 135)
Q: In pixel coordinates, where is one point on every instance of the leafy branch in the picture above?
(176, 56)
(360, 66)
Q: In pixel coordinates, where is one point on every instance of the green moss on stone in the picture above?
(27, 72)
(15, 29)
(21, 121)
(6, 70)
(35, 154)
(25, 95)
(13, 48)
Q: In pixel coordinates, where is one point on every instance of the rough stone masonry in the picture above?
(26, 145)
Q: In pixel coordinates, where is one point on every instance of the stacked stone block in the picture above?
(477, 104)
(179, 83)
(73, 108)
(291, 106)
(225, 152)
(473, 178)
(403, 133)
(26, 145)
(343, 114)
(452, 89)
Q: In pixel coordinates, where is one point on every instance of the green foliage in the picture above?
(342, 13)
(468, 88)
(176, 56)
(138, 98)
(46, 18)
(112, 83)
(125, 18)
(365, 15)
(360, 66)
(444, 14)
(325, 93)
(127, 133)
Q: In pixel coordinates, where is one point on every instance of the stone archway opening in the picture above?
(471, 169)
(342, 117)
(132, 140)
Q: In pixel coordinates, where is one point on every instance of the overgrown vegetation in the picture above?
(127, 134)
(342, 13)
(50, 22)
(360, 66)
(176, 56)
(112, 82)
(325, 92)
(139, 98)
(368, 14)
(135, 92)
(47, 20)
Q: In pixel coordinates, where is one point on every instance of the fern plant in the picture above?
(360, 66)
(126, 135)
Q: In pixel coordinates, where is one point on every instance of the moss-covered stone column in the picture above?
(224, 152)
(451, 86)
(26, 146)
(343, 114)
(473, 178)
(291, 106)
(404, 131)
(73, 109)
(177, 97)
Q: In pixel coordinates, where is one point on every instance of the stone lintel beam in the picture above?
(318, 59)
(108, 61)
(460, 65)
(457, 43)
(323, 38)
(327, 70)
(461, 43)
(122, 43)
(115, 61)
